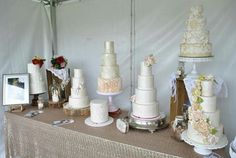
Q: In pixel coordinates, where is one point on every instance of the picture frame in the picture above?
(15, 89)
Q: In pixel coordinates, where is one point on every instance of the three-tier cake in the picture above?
(78, 98)
(195, 42)
(204, 125)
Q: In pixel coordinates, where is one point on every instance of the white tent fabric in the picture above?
(83, 27)
(24, 33)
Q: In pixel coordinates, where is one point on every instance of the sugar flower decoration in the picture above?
(38, 61)
(132, 98)
(150, 60)
(206, 78)
(59, 62)
(197, 118)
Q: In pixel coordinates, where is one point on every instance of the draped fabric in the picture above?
(24, 33)
(83, 26)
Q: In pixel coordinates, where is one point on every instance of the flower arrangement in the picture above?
(59, 62)
(196, 116)
(196, 92)
(38, 61)
(206, 78)
(150, 60)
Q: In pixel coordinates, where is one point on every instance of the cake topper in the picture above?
(150, 60)
(38, 61)
(196, 10)
(59, 62)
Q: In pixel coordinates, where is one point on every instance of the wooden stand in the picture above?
(77, 112)
(16, 108)
(59, 104)
(35, 100)
(64, 93)
(176, 104)
(115, 113)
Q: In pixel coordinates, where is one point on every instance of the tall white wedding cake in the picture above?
(195, 41)
(204, 125)
(37, 82)
(145, 101)
(78, 98)
(109, 80)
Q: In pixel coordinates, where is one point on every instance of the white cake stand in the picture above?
(194, 61)
(89, 122)
(203, 149)
(112, 108)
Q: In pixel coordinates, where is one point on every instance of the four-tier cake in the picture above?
(145, 101)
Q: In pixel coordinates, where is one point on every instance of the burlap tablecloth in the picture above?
(37, 138)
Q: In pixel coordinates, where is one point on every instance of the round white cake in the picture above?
(99, 111)
(37, 83)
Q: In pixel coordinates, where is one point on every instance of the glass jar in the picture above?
(55, 91)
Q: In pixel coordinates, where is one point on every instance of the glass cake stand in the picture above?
(194, 61)
(113, 110)
(203, 149)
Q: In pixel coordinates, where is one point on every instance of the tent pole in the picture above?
(54, 27)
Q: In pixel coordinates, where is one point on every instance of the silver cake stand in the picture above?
(151, 124)
(194, 61)
(203, 149)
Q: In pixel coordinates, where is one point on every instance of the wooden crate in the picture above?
(176, 105)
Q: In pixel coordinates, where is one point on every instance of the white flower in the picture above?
(212, 139)
(150, 60)
(132, 98)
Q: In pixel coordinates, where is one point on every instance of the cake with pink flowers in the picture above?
(204, 125)
(109, 80)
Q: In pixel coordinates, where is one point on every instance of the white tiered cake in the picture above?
(195, 42)
(144, 103)
(204, 125)
(109, 80)
(37, 83)
(78, 98)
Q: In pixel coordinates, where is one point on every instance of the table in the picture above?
(37, 138)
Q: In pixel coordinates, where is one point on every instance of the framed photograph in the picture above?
(15, 89)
